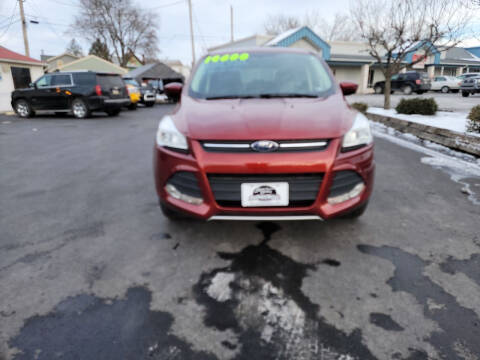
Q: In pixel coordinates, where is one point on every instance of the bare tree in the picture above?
(119, 24)
(74, 48)
(280, 23)
(339, 28)
(396, 28)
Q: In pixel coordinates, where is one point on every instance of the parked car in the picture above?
(133, 92)
(446, 84)
(81, 93)
(408, 82)
(468, 75)
(470, 85)
(263, 135)
(147, 93)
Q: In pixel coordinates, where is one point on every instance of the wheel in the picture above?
(113, 112)
(23, 109)
(357, 212)
(445, 89)
(149, 104)
(132, 106)
(171, 214)
(378, 90)
(407, 90)
(465, 93)
(80, 109)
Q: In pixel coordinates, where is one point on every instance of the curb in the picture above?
(452, 139)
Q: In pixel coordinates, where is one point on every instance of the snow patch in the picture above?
(454, 121)
(219, 289)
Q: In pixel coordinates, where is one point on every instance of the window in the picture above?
(44, 81)
(371, 76)
(84, 79)
(60, 80)
(21, 77)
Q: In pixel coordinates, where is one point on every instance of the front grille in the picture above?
(343, 182)
(283, 146)
(187, 183)
(303, 188)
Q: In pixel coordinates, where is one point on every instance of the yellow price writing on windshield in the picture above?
(226, 58)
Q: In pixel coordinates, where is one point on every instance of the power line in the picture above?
(11, 20)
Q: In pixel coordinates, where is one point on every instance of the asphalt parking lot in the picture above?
(90, 269)
(446, 102)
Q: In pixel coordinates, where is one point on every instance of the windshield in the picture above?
(131, 82)
(261, 75)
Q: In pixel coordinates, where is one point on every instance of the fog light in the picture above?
(175, 193)
(357, 190)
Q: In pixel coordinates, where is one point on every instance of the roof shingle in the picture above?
(6, 54)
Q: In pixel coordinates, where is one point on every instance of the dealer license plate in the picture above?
(264, 194)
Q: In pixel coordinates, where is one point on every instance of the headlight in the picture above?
(359, 135)
(169, 136)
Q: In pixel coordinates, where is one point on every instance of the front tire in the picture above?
(407, 90)
(445, 89)
(80, 109)
(465, 93)
(355, 214)
(23, 109)
(171, 214)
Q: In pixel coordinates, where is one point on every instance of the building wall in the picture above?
(347, 73)
(304, 44)
(6, 82)
(65, 59)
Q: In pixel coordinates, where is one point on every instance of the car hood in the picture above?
(274, 119)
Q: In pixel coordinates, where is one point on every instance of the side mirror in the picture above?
(173, 91)
(348, 88)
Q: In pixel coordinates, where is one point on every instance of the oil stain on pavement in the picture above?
(259, 297)
(459, 333)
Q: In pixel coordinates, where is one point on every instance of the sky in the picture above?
(211, 22)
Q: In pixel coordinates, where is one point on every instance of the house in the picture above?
(92, 63)
(350, 61)
(54, 62)
(133, 62)
(178, 66)
(16, 71)
(158, 73)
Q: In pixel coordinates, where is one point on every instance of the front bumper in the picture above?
(203, 163)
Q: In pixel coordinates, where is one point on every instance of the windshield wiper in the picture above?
(231, 97)
(262, 96)
(287, 95)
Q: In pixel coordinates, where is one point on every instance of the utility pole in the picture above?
(231, 23)
(191, 31)
(24, 28)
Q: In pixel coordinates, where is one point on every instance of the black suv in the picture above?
(408, 82)
(80, 92)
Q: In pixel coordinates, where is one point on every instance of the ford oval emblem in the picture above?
(264, 146)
